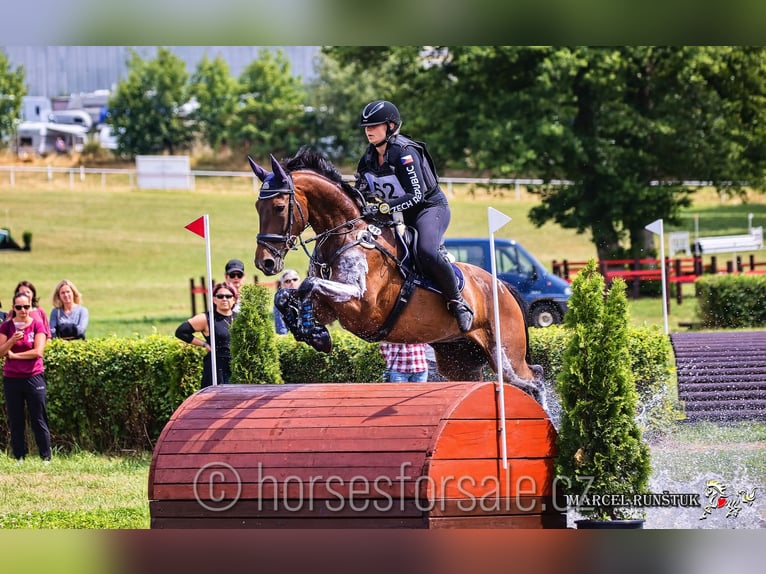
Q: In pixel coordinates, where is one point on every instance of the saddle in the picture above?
(408, 240)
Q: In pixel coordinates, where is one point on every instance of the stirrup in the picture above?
(462, 312)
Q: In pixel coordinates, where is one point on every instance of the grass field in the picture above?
(130, 256)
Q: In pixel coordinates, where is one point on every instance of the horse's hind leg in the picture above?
(515, 368)
(460, 360)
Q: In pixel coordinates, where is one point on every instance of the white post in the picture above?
(496, 221)
(211, 307)
(656, 227)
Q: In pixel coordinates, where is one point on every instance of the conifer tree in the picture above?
(601, 451)
(254, 353)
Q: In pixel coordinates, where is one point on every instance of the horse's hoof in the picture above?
(321, 340)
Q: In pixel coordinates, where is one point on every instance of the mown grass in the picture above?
(80, 490)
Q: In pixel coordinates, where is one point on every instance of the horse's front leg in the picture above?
(297, 307)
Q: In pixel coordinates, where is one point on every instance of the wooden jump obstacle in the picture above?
(382, 455)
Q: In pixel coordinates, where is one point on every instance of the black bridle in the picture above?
(286, 238)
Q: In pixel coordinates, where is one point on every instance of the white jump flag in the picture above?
(201, 227)
(657, 228)
(496, 221)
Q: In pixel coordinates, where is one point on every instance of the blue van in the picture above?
(546, 295)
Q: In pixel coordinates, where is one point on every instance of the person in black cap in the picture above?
(235, 274)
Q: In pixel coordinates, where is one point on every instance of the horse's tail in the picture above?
(524, 312)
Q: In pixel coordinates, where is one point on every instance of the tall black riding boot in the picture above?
(462, 312)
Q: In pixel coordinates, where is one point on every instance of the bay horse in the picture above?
(357, 277)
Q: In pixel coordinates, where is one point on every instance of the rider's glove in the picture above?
(370, 210)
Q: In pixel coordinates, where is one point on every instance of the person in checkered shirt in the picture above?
(405, 362)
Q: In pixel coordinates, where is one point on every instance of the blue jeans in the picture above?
(397, 377)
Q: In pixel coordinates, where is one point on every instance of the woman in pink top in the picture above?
(22, 343)
(29, 290)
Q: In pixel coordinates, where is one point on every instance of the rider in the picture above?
(396, 174)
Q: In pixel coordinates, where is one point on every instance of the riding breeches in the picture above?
(431, 224)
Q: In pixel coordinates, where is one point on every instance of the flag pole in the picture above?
(496, 221)
(211, 306)
(657, 228)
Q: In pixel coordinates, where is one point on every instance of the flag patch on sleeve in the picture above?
(406, 159)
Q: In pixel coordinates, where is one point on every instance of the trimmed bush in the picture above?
(254, 355)
(601, 450)
(352, 360)
(651, 362)
(731, 301)
(115, 393)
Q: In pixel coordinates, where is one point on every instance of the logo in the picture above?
(715, 492)
(407, 159)
(217, 486)
(366, 113)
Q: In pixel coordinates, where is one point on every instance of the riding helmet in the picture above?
(380, 112)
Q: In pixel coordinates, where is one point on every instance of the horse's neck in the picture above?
(328, 207)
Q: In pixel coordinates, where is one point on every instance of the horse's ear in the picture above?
(257, 169)
(278, 170)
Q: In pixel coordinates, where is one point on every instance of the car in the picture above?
(545, 294)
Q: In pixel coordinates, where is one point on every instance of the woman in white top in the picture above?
(69, 319)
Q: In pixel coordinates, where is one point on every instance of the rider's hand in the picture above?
(370, 210)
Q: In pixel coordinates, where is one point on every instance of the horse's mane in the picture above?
(314, 160)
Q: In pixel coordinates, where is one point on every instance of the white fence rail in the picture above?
(79, 174)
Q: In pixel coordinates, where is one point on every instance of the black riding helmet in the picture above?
(381, 112)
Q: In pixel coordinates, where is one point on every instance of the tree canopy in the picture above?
(12, 90)
(626, 126)
(145, 110)
(623, 126)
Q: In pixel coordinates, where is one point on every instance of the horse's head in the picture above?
(281, 217)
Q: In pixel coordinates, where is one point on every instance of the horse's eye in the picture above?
(279, 208)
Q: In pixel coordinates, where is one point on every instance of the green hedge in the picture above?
(652, 363)
(731, 301)
(117, 393)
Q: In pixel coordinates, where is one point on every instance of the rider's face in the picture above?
(375, 134)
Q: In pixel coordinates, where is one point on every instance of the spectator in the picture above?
(224, 295)
(60, 145)
(69, 319)
(2, 313)
(22, 343)
(28, 289)
(433, 369)
(235, 275)
(288, 280)
(405, 362)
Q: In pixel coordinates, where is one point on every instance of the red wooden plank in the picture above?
(329, 487)
(289, 523)
(254, 509)
(290, 445)
(482, 404)
(479, 478)
(480, 439)
(325, 433)
(371, 413)
(301, 422)
(413, 459)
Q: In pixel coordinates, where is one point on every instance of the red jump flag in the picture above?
(197, 226)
